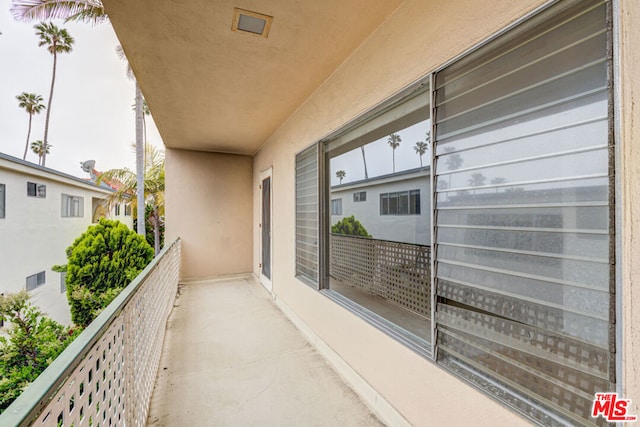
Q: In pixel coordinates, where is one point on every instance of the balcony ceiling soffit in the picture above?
(213, 89)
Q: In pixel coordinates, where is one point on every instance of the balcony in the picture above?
(206, 353)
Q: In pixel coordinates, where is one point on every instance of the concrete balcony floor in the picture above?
(231, 358)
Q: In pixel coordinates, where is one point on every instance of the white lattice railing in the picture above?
(399, 272)
(106, 376)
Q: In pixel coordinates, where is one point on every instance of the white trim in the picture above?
(377, 403)
(264, 280)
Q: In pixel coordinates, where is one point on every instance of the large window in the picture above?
(379, 255)
(400, 203)
(2, 201)
(522, 201)
(523, 215)
(72, 206)
(36, 190)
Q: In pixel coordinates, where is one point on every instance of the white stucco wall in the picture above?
(34, 235)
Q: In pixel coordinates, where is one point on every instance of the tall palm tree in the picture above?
(394, 141)
(140, 142)
(56, 40)
(421, 147)
(364, 160)
(153, 188)
(32, 103)
(340, 175)
(87, 11)
(41, 149)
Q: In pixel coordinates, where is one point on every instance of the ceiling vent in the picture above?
(251, 22)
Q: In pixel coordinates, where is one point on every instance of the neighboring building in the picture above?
(42, 211)
(532, 96)
(391, 207)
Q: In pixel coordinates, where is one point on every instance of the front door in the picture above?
(265, 229)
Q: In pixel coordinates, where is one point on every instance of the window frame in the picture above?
(398, 197)
(336, 206)
(359, 196)
(37, 191)
(38, 279)
(3, 201)
(66, 208)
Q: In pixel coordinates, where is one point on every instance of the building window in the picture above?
(523, 210)
(72, 206)
(35, 280)
(2, 201)
(117, 210)
(400, 203)
(336, 207)
(36, 190)
(523, 218)
(307, 213)
(127, 210)
(378, 265)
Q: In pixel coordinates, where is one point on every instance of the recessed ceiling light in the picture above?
(251, 22)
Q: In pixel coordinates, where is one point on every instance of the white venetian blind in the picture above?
(307, 214)
(523, 218)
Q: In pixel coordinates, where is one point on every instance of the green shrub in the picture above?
(350, 226)
(32, 342)
(101, 263)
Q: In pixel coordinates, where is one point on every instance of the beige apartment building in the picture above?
(522, 306)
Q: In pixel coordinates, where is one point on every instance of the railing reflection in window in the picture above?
(398, 273)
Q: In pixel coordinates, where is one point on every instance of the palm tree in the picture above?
(340, 175)
(498, 180)
(86, 11)
(57, 40)
(141, 132)
(364, 160)
(477, 179)
(153, 189)
(32, 103)
(394, 141)
(421, 147)
(41, 149)
(69, 10)
(145, 112)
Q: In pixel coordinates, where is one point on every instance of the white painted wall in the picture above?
(398, 228)
(34, 235)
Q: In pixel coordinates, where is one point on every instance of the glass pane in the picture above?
(379, 243)
(523, 215)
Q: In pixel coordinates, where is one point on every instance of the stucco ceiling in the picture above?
(210, 88)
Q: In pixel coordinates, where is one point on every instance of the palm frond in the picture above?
(42, 10)
(123, 57)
